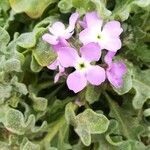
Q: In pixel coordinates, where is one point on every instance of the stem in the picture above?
(53, 129)
(49, 96)
(116, 112)
(46, 84)
(26, 51)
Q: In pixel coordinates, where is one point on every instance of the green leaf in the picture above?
(15, 122)
(83, 6)
(4, 146)
(147, 112)
(141, 84)
(35, 67)
(39, 103)
(123, 115)
(101, 8)
(43, 52)
(69, 113)
(27, 40)
(142, 3)
(5, 92)
(4, 38)
(27, 145)
(19, 87)
(4, 4)
(88, 123)
(12, 64)
(65, 6)
(33, 8)
(63, 134)
(92, 93)
(124, 8)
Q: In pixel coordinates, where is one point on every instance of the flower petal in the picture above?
(62, 43)
(93, 20)
(96, 75)
(67, 56)
(57, 29)
(111, 44)
(87, 36)
(57, 76)
(91, 52)
(112, 29)
(109, 57)
(76, 81)
(83, 23)
(72, 21)
(54, 65)
(50, 39)
(115, 74)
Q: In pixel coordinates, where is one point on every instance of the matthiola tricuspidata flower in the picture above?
(107, 36)
(58, 30)
(57, 38)
(115, 70)
(84, 72)
(95, 37)
(56, 64)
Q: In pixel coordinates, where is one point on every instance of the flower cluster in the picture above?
(95, 37)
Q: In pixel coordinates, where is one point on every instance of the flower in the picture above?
(84, 71)
(56, 64)
(58, 30)
(61, 70)
(115, 70)
(107, 37)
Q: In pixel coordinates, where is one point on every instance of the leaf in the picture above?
(65, 6)
(101, 8)
(141, 84)
(12, 64)
(147, 112)
(43, 52)
(86, 123)
(19, 87)
(15, 122)
(63, 135)
(92, 93)
(124, 8)
(83, 6)
(35, 67)
(5, 92)
(4, 146)
(39, 103)
(130, 131)
(33, 8)
(69, 113)
(27, 40)
(4, 38)
(27, 145)
(4, 4)
(142, 3)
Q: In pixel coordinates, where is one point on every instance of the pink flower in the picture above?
(84, 71)
(56, 64)
(61, 70)
(115, 70)
(107, 36)
(58, 30)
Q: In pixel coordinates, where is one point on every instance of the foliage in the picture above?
(37, 114)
